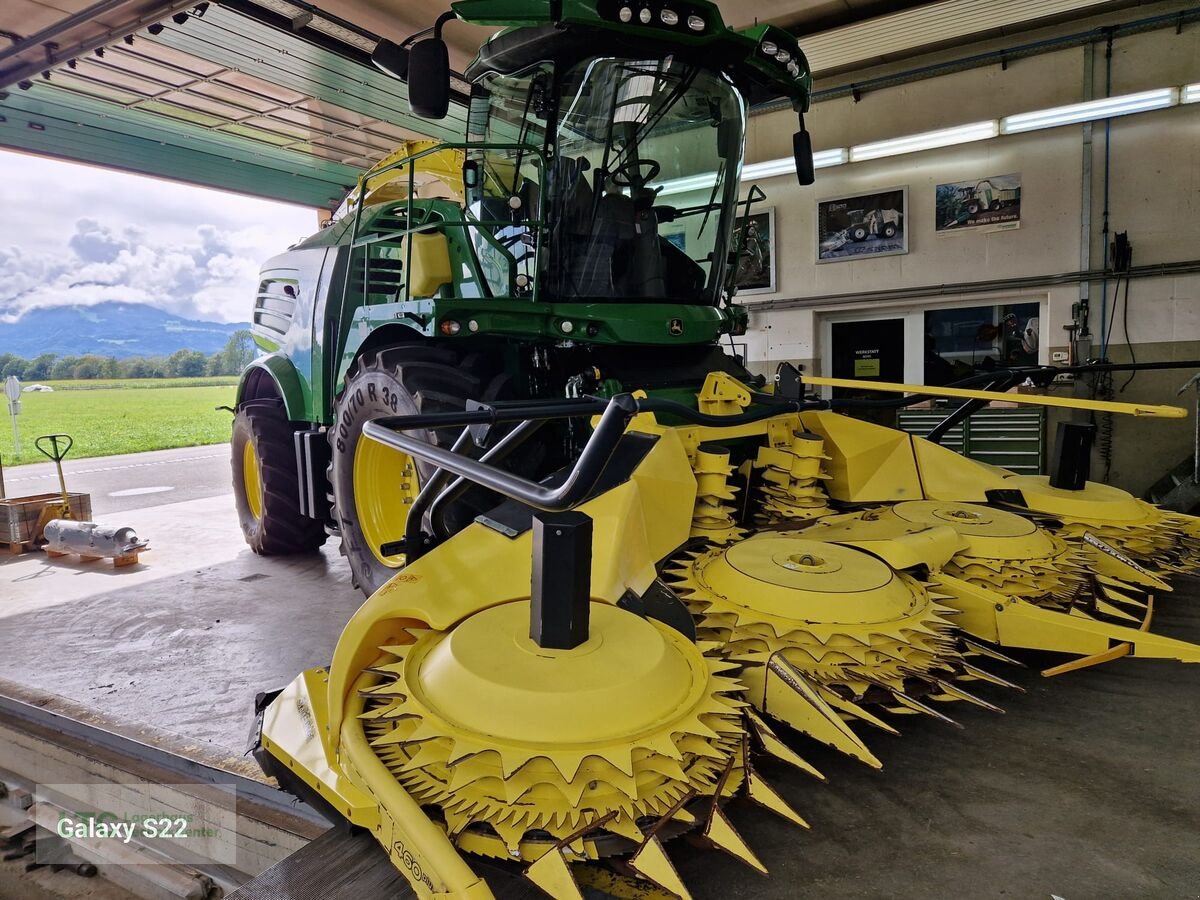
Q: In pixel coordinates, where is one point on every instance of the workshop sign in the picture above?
(866, 362)
(984, 204)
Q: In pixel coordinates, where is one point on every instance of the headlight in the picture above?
(669, 17)
(695, 23)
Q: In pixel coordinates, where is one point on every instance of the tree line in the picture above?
(237, 353)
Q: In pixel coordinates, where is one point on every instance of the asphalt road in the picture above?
(132, 481)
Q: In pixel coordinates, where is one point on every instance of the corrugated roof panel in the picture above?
(224, 111)
(235, 96)
(145, 67)
(258, 86)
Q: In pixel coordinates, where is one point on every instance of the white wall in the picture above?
(1155, 192)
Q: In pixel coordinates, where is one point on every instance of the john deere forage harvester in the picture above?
(576, 242)
(600, 559)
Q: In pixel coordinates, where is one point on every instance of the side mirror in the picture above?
(429, 78)
(803, 153)
(390, 59)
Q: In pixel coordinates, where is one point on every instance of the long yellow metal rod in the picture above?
(1124, 409)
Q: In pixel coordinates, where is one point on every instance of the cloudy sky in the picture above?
(73, 234)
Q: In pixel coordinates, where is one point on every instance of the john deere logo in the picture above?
(675, 326)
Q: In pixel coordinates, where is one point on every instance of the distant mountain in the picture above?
(111, 329)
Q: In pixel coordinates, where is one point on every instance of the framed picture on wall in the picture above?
(983, 204)
(874, 224)
(754, 237)
(678, 238)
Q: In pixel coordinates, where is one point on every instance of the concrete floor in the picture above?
(184, 640)
(1089, 786)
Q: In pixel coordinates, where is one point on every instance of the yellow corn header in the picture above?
(587, 673)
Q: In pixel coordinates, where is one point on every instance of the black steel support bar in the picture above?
(560, 599)
(504, 447)
(1073, 456)
(586, 472)
(520, 411)
(496, 414)
(968, 409)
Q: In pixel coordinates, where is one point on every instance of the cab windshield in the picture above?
(639, 195)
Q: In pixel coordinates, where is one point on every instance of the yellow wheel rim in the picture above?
(252, 479)
(385, 486)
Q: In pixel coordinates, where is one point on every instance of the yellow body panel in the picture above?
(722, 395)
(946, 475)
(868, 463)
(291, 732)
(429, 267)
(905, 549)
(435, 173)
(1097, 503)
(418, 847)
(1015, 623)
(480, 567)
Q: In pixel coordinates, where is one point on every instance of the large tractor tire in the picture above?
(266, 483)
(374, 486)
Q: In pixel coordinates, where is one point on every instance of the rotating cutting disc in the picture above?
(1162, 541)
(1002, 551)
(519, 746)
(829, 624)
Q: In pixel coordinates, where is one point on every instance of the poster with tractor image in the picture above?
(987, 204)
(874, 224)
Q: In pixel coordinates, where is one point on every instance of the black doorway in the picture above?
(868, 350)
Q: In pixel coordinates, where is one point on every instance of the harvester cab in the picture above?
(578, 239)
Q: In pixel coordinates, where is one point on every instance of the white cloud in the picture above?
(87, 235)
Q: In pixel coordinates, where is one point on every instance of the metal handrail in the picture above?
(615, 414)
(537, 223)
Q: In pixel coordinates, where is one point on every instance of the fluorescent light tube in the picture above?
(691, 183)
(770, 168)
(822, 159)
(1104, 108)
(927, 140)
(825, 159)
(1191, 93)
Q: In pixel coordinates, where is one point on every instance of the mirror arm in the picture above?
(445, 17)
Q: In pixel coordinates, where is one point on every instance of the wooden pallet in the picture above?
(119, 561)
(16, 548)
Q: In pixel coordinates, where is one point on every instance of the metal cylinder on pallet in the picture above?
(91, 539)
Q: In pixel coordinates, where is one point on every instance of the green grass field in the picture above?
(141, 383)
(123, 417)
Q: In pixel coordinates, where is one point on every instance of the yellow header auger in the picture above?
(589, 669)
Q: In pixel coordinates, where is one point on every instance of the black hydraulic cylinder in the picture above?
(562, 579)
(1072, 456)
